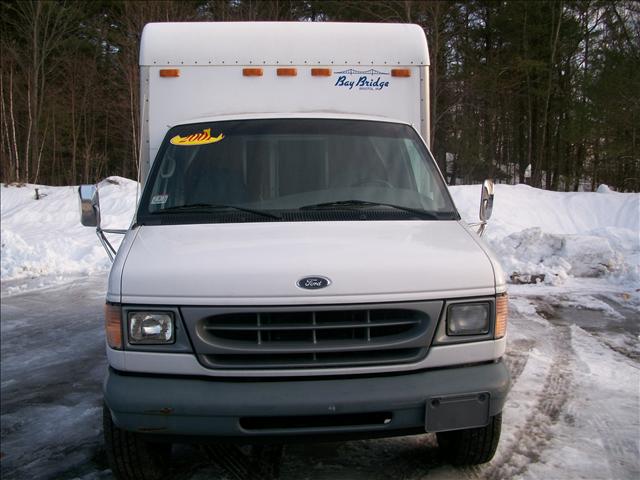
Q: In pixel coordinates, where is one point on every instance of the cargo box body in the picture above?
(345, 68)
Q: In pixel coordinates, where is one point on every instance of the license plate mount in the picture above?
(457, 412)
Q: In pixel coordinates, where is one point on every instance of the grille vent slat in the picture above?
(313, 326)
(315, 359)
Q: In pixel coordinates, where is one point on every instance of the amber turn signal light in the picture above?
(113, 325)
(502, 302)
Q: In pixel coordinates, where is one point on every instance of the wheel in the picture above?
(473, 445)
(130, 456)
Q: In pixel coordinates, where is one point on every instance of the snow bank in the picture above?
(555, 234)
(534, 232)
(44, 237)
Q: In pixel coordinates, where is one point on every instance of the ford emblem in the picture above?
(313, 283)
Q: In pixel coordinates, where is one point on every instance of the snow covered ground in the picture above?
(572, 411)
(573, 349)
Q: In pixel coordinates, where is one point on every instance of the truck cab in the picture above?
(296, 268)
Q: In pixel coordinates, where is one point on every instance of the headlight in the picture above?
(151, 328)
(468, 319)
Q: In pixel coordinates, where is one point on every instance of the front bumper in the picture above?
(432, 400)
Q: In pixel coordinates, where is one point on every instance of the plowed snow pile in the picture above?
(44, 238)
(534, 232)
(557, 234)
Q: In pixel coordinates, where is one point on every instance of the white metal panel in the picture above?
(115, 275)
(145, 160)
(187, 364)
(283, 43)
(324, 115)
(260, 263)
(498, 272)
(216, 91)
(116, 358)
(425, 107)
(186, 298)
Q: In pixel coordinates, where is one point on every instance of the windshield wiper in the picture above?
(365, 204)
(205, 207)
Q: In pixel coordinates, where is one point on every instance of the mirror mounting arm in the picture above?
(481, 226)
(90, 217)
(108, 247)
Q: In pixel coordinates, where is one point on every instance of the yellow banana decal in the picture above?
(200, 138)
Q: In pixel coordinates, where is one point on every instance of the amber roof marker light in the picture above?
(252, 72)
(169, 72)
(320, 72)
(400, 72)
(287, 72)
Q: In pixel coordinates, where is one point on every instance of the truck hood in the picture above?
(260, 263)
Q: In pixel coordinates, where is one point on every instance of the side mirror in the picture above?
(89, 206)
(486, 200)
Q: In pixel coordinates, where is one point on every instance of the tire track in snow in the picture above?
(634, 356)
(607, 423)
(533, 435)
(608, 428)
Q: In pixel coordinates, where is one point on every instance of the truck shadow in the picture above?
(401, 457)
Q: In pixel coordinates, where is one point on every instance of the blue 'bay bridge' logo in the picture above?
(365, 81)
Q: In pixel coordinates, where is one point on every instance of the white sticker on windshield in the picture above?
(159, 199)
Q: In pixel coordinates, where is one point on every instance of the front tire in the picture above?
(471, 446)
(130, 456)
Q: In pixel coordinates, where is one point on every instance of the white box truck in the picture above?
(296, 268)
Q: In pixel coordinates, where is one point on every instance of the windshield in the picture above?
(290, 169)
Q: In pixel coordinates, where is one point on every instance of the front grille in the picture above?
(312, 337)
(313, 328)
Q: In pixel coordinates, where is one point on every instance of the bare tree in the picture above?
(40, 29)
